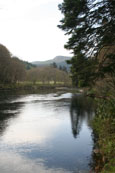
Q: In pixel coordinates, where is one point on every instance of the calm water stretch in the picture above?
(45, 133)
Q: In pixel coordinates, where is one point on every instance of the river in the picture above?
(45, 133)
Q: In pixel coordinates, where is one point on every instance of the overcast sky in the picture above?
(28, 28)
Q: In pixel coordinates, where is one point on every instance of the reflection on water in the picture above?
(45, 133)
(81, 110)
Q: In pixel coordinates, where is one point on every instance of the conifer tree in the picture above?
(90, 25)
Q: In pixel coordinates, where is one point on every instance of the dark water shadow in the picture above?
(8, 110)
(81, 109)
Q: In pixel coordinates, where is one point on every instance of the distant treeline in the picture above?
(13, 70)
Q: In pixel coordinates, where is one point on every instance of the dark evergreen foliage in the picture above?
(28, 65)
(90, 25)
(54, 65)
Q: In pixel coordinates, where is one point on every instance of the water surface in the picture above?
(45, 133)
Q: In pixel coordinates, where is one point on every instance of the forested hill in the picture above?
(59, 60)
(28, 65)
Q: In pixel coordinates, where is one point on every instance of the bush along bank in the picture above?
(31, 86)
(104, 129)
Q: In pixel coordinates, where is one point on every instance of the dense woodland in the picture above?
(90, 25)
(13, 70)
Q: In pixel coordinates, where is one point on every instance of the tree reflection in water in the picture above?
(81, 109)
(7, 112)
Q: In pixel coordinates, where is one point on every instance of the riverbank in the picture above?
(30, 87)
(104, 130)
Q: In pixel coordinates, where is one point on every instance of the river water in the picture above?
(45, 133)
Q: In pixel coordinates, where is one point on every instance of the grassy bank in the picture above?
(31, 86)
(104, 129)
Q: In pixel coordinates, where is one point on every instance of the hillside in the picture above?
(59, 60)
(28, 65)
